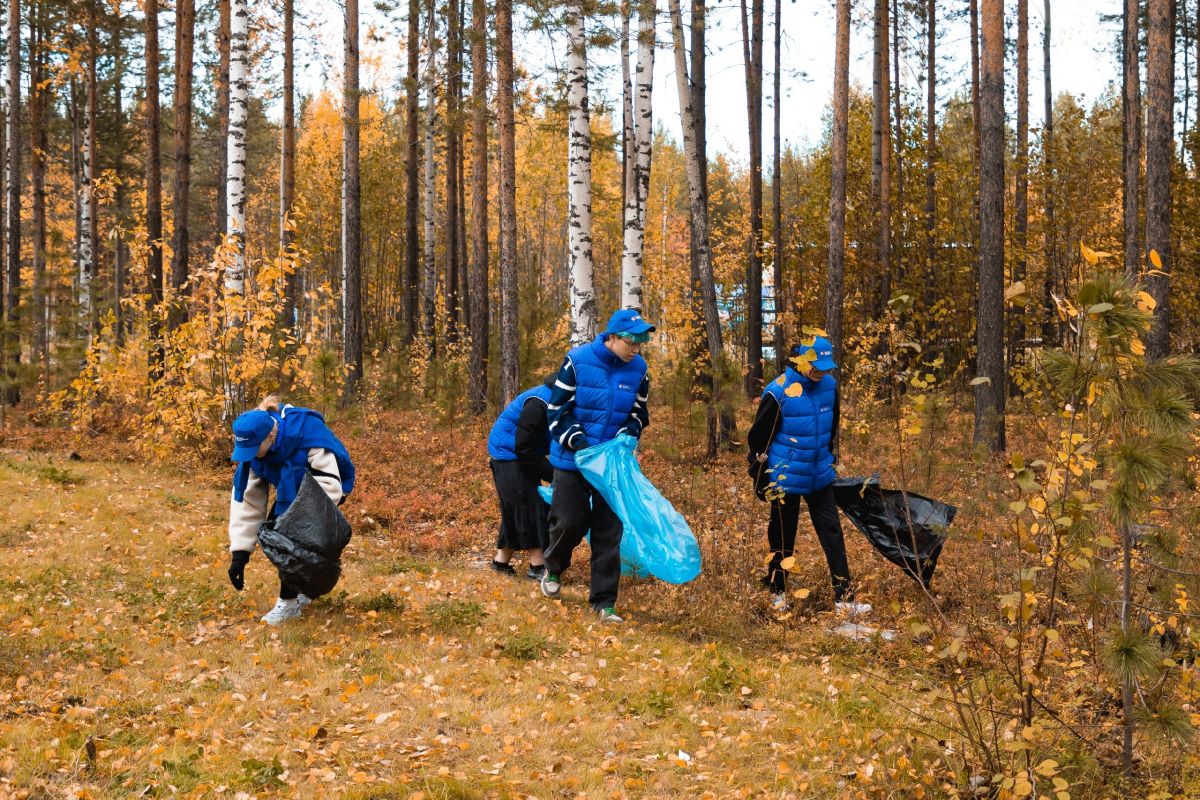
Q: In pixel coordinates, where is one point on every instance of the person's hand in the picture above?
(237, 568)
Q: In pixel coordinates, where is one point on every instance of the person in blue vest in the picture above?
(275, 446)
(518, 446)
(600, 391)
(791, 458)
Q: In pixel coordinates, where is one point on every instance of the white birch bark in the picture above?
(87, 205)
(638, 191)
(429, 284)
(235, 168)
(579, 184)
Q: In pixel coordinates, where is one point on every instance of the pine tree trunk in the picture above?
(579, 184)
(779, 247)
(412, 106)
(837, 200)
(10, 349)
(1131, 135)
(1016, 352)
(478, 390)
(429, 284)
(931, 259)
(120, 192)
(154, 255)
(752, 45)
(239, 47)
(973, 18)
(352, 324)
(453, 76)
(224, 33)
(896, 145)
(1049, 312)
(990, 394)
(185, 23)
(1160, 156)
(881, 157)
(287, 169)
(628, 148)
(640, 135)
(509, 364)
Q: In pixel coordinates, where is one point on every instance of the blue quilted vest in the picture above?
(605, 391)
(503, 438)
(800, 453)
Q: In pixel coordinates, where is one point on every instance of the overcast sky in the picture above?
(1083, 61)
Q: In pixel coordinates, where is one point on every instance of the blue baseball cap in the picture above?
(824, 351)
(249, 431)
(628, 321)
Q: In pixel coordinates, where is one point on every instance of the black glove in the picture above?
(577, 442)
(237, 568)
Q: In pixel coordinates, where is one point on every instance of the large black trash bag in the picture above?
(306, 543)
(880, 514)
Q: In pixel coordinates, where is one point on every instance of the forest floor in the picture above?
(130, 667)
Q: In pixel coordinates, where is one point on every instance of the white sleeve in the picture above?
(322, 460)
(246, 516)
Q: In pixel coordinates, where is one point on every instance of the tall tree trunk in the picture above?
(628, 148)
(478, 390)
(837, 199)
(185, 24)
(412, 105)
(39, 138)
(453, 75)
(287, 169)
(1131, 134)
(896, 146)
(89, 244)
(10, 347)
(881, 157)
(641, 136)
(1160, 157)
(352, 321)
(1016, 350)
(579, 183)
(752, 47)
(224, 33)
(154, 254)
(429, 283)
(235, 170)
(931, 258)
(1049, 313)
(509, 364)
(990, 393)
(120, 191)
(779, 246)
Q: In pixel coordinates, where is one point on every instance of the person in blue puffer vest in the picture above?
(518, 445)
(600, 391)
(791, 458)
(275, 446)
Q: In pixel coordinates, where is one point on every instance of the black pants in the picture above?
(570, 519)
(781, 534)
(287, 592)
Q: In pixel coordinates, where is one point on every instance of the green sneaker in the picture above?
(610, 615)
(551, 585)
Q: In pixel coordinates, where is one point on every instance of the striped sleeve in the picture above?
(639, 417)
(560, 412)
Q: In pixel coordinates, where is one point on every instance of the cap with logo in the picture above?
(249, 431)
(630, 323)
(823, 350)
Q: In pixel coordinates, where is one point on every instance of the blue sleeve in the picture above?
(639, 417)
(560, 412)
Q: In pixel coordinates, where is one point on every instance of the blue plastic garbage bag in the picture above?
(656, 540)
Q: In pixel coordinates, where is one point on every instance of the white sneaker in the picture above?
(282, 612)
(303, 599)
(852, 608)
(779, 602)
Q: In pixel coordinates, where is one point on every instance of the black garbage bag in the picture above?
(306, 543)
(880, 514)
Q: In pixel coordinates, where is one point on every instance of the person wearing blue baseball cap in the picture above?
(275, 446)
(600, 391)
(791, 458)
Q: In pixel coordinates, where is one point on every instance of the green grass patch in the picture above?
(453, 614)
(60, 476)
(525, 646)
(381, 603)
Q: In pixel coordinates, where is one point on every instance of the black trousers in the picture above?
(781, 534)
(571, 517)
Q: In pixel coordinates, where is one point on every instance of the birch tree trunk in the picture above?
(223, 46)
(412, 107)
(185, 22)
(579, 183)
(641, 136)
(235, 170)
(154, 255)
(352, 325)
(87, 199)
(837, 200)
(1131, 134)
(12, 92)
(1160, 157)
(779, 247)
(478, 370)
(752, 47)
(990, 394)
(509, 363)
(1049, 313)
(429, 284)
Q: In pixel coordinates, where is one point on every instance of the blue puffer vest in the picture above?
(503, 438)
(800, 453)
(605, 391)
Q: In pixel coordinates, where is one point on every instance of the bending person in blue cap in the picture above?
(791, 458)
(601, 390)
(276, 446)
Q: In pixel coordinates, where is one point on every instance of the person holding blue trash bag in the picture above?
(518, 446)
(277, 447)
(791, 458)
(600, 391)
